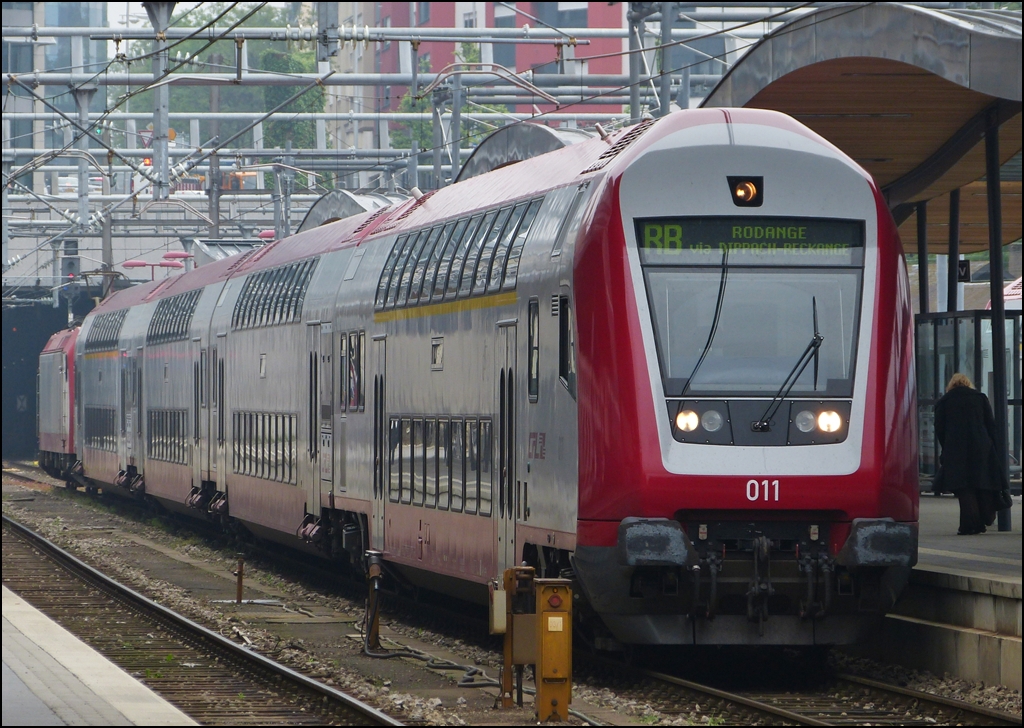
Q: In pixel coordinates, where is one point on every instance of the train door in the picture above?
(137, 386)
(127, 410)
(218, 411)
(313, 413)
(65, 402)
(381, 442)
(326, 410)
(198, 360)
(505, 392)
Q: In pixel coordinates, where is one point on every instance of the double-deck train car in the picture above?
(673, 363)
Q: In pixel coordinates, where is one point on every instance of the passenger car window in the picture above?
(516, 250)
(501, 250)
(469, 269)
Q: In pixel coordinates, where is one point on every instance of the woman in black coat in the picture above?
(970, 469)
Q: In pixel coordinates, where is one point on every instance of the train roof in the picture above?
(62, 341)
(528, 178)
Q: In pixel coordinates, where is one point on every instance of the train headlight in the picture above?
(687, 420)
(712, 421)
(804, 421)
(829, 421)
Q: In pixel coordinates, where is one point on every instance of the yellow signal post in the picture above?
(553, 669)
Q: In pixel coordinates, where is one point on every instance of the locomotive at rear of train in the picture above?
(674, 364)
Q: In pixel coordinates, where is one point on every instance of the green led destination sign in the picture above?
(750, 241)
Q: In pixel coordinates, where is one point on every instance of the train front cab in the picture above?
(755, 480)
(55, 392)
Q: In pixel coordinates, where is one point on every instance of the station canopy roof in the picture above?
(907, 91)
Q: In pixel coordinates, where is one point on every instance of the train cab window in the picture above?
(760, 304)
(502, 248)
(420, 272)
(406, 281)
(396, 274)
(430, 462)
(394, 459)
(483, 268)
(486, 467)
(566, 346)
(445, 263)
(458, 465)
(459, 261)
(473, 256)
(444, 464)
(385, 275)
(533, 344)
(511, 273)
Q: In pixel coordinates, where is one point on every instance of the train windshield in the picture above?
(735, 302)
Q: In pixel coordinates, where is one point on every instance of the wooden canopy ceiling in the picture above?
(907, 92)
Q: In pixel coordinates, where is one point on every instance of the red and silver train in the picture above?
(674, 364)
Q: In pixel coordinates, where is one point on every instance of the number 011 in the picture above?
(754, 490)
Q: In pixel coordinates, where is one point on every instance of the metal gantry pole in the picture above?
(995, 267)
(456, 125)
(83, 96)
(665, 85)
(635, 21)
(214, 209)
(438, 140)
(160, 16)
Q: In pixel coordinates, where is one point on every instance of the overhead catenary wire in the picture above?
(391, 166)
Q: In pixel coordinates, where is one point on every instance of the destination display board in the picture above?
(769, 241)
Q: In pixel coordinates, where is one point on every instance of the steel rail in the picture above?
(985, 716)
(146, 605)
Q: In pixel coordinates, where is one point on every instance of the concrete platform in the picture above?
(961, 612)
(50, 677)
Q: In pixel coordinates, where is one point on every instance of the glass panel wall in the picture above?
(962, 342)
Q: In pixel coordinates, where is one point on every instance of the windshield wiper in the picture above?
(811, 352)
(714, 321)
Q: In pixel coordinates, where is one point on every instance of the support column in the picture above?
(665, 82)
(922, 255)
(995, 267)
(954, 251)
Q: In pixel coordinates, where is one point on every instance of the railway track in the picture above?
(204, 674)
(843, 700)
